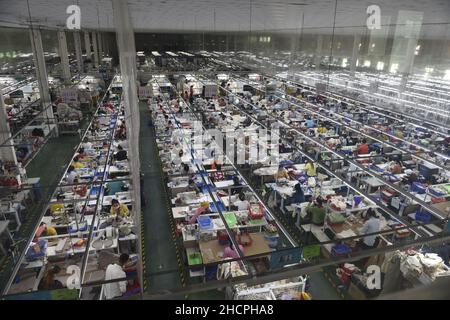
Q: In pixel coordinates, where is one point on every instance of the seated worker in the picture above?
(322, 130)
(80, 189)
(371, 225)
(56, 208)
(310, 169)
(44, 231)
(309, 123)
(203, 209)
(209, 150)
(118, 209)
(48, 231)
(281, 174)
(105, 146)
(186, 169)
(236, 183)
(71, 175)
(231, 252)
(121, 154)
(80, 154)
(363, 148)
(317, 212)
(298, 196)
(396, 168)
(48, 282)
(399, 134)
(77, 164)
(242, 203)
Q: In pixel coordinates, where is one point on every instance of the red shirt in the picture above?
(363, 149)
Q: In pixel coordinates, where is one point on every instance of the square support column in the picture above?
(64, 55)
(41, 75)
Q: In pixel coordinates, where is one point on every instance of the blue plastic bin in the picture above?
(205, 222)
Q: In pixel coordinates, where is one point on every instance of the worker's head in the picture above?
(119, 147)
(371, 213)
(54, 270)
(180, 153)
(81, 150)
(123, 259)
(241, 196)
(319, 202)
(115, 203)
(59, 197)
(298, 187)
(70, 169)
(76, 159)
(185, 167)
(364, 141)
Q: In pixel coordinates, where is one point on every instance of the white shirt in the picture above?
(242, 205)
(114, 289)
(71, 176)
(370, 226)
(87, 145)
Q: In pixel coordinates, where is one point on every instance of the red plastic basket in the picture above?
(255, 215)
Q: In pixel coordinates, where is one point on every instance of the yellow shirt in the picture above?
(399, 134)
(56, 207)
(78, 165)
(50, 232)
(122, 210)
(281, 175)
(322, 130)
(310, 170)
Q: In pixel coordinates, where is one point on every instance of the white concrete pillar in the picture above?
(95, 49)
(7, 151)
(355, 53)
(318, 55)
(100, 47)
(78, 52)
(64, 55)
(407, 66)
(87, 45)
(41, 74)
(127, 59)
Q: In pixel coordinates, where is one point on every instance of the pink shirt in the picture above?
(230, 253)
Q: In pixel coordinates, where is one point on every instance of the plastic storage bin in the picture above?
(423, 216)
(205, 222)
(418, 188)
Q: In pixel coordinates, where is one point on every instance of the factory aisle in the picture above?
(161, 268)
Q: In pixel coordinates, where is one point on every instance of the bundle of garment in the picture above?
(432, 264)
(338, 203)
(66, 112)
(411, 267)
(332, 143)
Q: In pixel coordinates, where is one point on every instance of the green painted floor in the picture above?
(161, 263)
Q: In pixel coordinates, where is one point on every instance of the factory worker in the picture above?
(118, 209)
(242, 203)
(281, 173)
(371, 225)
(115, 271)
(363, 148)
(310, 169)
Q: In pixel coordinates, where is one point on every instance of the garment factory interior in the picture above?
(224, 150)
